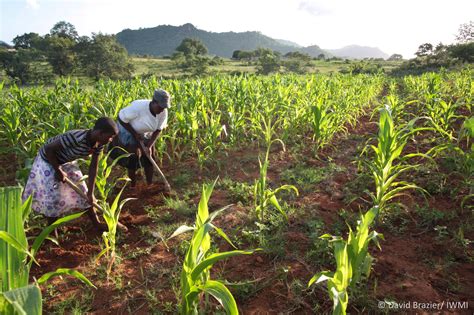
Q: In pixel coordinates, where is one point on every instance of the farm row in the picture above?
(292, 127)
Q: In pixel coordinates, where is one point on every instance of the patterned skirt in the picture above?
(51, 197)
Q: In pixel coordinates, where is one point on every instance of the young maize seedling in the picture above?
(196, 276)
(352, 261)
(111, 216)
(384, 167)
(111, 212)
(104, 170)
(264, 196)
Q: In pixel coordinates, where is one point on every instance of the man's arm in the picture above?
(152, 140)
(51, 149)
(130, 129)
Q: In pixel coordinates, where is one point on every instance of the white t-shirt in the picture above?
(138, 115)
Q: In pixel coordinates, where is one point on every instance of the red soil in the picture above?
(410, 267)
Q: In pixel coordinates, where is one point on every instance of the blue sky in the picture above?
(393, 26)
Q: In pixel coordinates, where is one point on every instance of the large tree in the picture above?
(268, 61)
(191, 56)
(465, 33)
(27, 40)
(64, 29)
(463, 52)
(19, 65)
(424, 50)
(395, 57)
(60, 54)
(192, 46)
(104, 57)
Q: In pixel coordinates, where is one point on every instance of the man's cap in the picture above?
(162, 98)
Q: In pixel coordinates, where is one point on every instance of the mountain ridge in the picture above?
(162, 40)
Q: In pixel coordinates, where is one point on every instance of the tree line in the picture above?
(62, 52)
(432, 58)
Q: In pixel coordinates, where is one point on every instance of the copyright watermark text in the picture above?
(428, 306)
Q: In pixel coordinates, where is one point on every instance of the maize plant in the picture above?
(205, 110)
(111, 212)
(442, 115)
(264, 196)
(384, 166)
(196, 276)
(322, 120)
(352, 261)
(17, 296)
(104, 170)
(464, 158)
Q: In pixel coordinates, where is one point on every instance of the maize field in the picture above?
(293, 194)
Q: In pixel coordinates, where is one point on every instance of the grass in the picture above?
(431, 218)
(306, 177)
(166, 68)
(73, 304)
(238, 192)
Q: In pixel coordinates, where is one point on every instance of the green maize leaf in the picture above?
(287, 188)
(105, 250)
(199, 237)
(371, 214)
(40, 238)
(203, 210)
(213, 258)
(321, 277)
(340, 300)
(13, 242)
(25, 300)
(122, 203)
(26, 208)
(223, 235)
(397, 191)
(274, 201)
(222, 295)
(180, 230)
(214, 214)
(469, 126)
(367, 265)
(65, 271)
(4, 305)
(115, 203)
(190, 301)
(343, 272)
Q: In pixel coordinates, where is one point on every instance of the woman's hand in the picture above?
(60, 175)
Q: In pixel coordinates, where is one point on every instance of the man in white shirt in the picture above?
(142, 120)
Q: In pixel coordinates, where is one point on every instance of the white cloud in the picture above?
(32, 4)
(314, 8)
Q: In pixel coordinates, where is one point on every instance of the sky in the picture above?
(393, 26)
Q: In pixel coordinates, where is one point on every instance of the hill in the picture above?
(163, 40)
(4, 44)
(358, 52)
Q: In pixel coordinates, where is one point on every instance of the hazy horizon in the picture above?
(394, 27)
